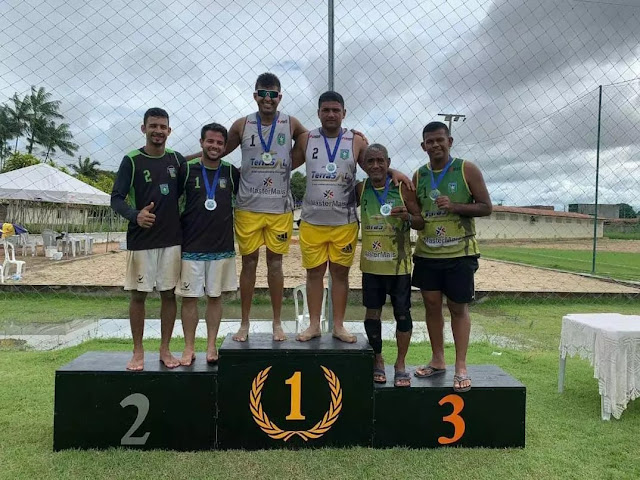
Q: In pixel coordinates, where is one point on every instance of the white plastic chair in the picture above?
(49, 238)
(1, 273)
(87, 243)
(26, 243)
(71, 244)
(10, 259)
(302, 315)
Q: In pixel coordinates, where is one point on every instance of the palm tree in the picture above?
(7, 129)
(19, 115)
(54, 136)
(86, 167)
(41, 110)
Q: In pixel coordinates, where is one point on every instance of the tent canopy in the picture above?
(44, 183)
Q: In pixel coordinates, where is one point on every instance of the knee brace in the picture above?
(403, 321)
(374, 334)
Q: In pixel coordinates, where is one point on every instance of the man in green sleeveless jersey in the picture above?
(451, 192)
(208, 254)
(148, 178)
(387, 213)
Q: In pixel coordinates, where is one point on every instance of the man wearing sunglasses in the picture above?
(264, 205)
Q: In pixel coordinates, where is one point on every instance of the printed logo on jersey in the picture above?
(258, 164)
(377, 246)
(344, 153)
(282, 237)
(140, 278)
(347, 249)
(441, 231)
(321, 177)
(172, 171)
(281, 139)
(185, 285)
(267, 182)
(164, 188)
(222, 183)
(328, 194)
(453, 187)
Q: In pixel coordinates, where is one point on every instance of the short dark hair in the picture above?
(331, 96)
(434, 127)
(379, 147)
(214, 127)
(155, 112)
(268, 79)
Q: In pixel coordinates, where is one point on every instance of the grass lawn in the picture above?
(565, 436)
(623, 235)
(620, 265)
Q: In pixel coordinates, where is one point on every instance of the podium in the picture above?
(267, 394)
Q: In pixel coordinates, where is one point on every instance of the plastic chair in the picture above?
(1, 273)
(27, 242)
(302, 316)
(49, 238)
(87, 243)
(71, 244)
(10, 259)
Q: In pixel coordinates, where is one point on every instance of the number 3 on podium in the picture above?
(456, 420)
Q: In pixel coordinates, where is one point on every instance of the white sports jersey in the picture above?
(330, 198)
(265, 187)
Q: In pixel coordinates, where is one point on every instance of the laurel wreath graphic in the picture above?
(275, 432)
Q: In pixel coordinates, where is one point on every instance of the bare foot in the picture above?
(308, 334)
(342, 334)
(278, 333)
(136, 364)
(212, 354)
(169, 360)
(188, 357)
(242, 334)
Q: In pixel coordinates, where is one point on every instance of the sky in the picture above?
(524, 74)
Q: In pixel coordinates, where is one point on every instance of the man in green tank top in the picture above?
(451, 192)
(388, 212)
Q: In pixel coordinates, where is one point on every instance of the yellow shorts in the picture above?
(336, 243)
(254, 229)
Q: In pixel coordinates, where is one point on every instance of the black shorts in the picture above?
(375, 289)
(451, 276)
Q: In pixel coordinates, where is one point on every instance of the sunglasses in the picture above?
(268, 93)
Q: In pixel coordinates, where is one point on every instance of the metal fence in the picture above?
(542, 95)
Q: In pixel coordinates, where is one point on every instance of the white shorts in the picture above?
(210, 277)
(156, 267)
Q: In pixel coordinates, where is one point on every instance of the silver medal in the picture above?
(385, 210)
(331, 167)
(210, 204)
(434, 194)
(267, 158)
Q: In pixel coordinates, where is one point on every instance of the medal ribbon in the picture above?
(434, 182)
(211, 188)
(383, 199)
(266, 147)
(330, 154)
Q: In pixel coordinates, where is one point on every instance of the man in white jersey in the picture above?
(264, 206)
(329, 226)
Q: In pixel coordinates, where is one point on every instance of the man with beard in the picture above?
(148, 178)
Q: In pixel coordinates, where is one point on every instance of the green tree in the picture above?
(298, 186)
(627, 211)
(19, 115)
(86, 167)
(7, 132)
(103, 182)
(19, 160)
(54, 136)
(41, 111)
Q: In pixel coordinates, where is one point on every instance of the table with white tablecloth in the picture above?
(611, 342)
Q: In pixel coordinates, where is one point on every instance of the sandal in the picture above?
(429, 371)
(400, 377)
(380, 374)
(459, 379)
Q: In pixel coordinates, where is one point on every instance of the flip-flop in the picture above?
(403, 375)
(459, 379)
(431, 371)
(379, 372)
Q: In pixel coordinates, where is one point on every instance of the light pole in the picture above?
(452, 117)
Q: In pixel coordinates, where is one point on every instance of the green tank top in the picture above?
(445, 235)
(386, 246)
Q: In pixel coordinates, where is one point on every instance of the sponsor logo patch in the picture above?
(164, 188)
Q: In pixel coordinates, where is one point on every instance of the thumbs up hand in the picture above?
(145, 217)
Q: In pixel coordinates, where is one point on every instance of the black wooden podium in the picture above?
(267, 394)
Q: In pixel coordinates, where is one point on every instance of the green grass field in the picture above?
(565, 436)
(622, 235)
(619, 265)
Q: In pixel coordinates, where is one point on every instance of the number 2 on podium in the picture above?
(296, 396)
(454, 418)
